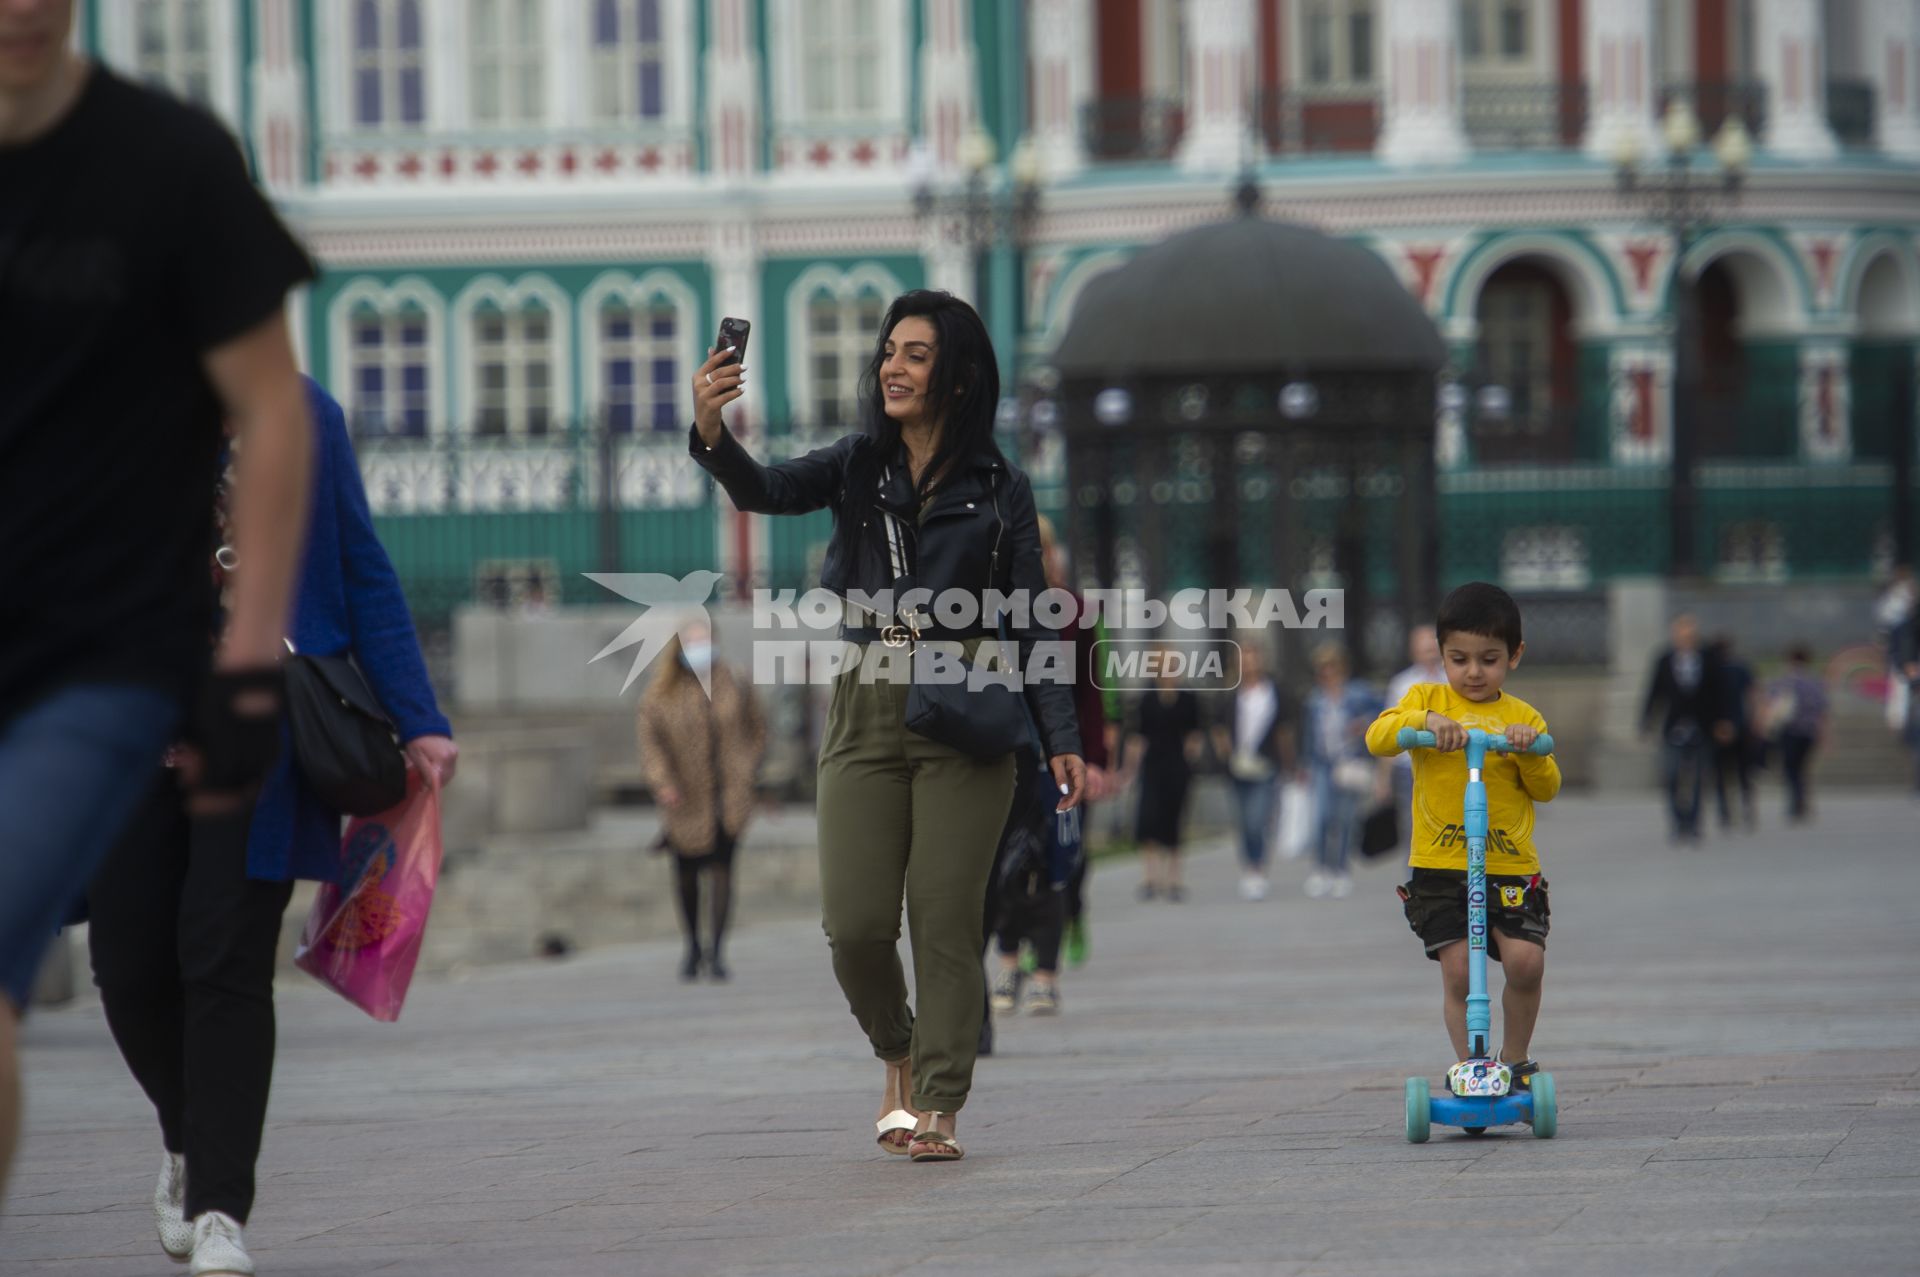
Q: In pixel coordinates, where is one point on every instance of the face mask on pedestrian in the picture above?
(698, 656)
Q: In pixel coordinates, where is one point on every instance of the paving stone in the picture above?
(1221, 1097)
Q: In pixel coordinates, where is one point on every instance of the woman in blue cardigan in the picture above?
(186, 914)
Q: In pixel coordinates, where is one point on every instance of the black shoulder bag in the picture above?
(979, 715)
(343, 742)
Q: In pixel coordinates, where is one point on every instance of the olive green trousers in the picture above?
(903, 816)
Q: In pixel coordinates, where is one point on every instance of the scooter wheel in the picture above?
(1419, 1111)
(1546, 1108)
(1474, 1130)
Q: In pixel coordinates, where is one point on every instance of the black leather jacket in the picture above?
(959, 543)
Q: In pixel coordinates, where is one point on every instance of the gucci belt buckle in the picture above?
(894, 635)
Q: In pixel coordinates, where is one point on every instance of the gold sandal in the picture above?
(931, 1145)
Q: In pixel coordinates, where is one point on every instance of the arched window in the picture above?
(389, 357)
(841, 330)
(513, 363)
(1527, 363)
(639, 363)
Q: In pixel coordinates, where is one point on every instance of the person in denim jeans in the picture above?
(132, 329)
(1333, 726)
(1257, 741)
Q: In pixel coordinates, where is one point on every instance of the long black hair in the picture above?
(966, 378)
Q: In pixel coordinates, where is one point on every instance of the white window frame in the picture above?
(1535, 62)
(521, 67)
(638, 295)
(120, 47)
(891, 33)
(441, 50)
(1340, 14)
(389, 300)
(852, 348)
(677, 57)
(512, 300)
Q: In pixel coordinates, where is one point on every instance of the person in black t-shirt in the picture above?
(142, 280)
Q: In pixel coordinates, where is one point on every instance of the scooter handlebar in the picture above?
(1414, 738)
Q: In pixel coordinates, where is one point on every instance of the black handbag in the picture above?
(983, 716)
(1380, 831)
(344, 744)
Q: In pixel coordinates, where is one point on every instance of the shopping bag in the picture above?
(363, 934)
(1296, 820)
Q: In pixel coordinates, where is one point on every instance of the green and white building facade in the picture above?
(530, 215)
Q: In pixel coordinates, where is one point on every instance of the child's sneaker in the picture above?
(1042, 999)
(1006, 989)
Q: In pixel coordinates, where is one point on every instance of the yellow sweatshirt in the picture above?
(1515, 782)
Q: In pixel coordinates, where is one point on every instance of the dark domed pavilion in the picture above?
(1251, 404)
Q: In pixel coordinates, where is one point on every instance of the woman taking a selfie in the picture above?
(920, 496)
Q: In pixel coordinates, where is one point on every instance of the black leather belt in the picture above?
(898, 636)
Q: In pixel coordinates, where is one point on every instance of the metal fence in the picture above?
(1133, 128)
(514, 523)
(1524, 117)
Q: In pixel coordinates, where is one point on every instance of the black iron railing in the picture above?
(1133, 128)
(1715, 102)
(1524, 117)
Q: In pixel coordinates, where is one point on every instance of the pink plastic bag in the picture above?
(363, 935)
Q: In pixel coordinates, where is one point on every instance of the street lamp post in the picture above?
(1683, 199)
(988, 212)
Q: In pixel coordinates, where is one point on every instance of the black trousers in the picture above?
(1795, 750)
(1031, 910)
(1733, 761)
(183, 947)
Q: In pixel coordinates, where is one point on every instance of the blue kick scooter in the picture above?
(1480, 1086)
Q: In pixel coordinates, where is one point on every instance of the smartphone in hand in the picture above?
(733, 336)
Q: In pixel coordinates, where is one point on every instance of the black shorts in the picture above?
(1436, 906)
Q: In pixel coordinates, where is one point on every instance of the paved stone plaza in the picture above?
(1735, 1031)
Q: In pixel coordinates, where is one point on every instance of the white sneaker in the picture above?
(1253, 887)
(169, 1208)
(1342, 886)
(217, 1248)
(1318, 884)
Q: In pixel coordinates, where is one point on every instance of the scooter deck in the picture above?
(1482, 1110)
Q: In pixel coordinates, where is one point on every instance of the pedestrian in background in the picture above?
(132, 329)
(1734, 739)
(1685, 692)
(700, 748)
(1257, 741)
(185, 913)
(1342, 772)
(1423, 650)
(923, 487)
(1026, 902)
(1797, 720)
(1897, 617)
(1163, 748)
